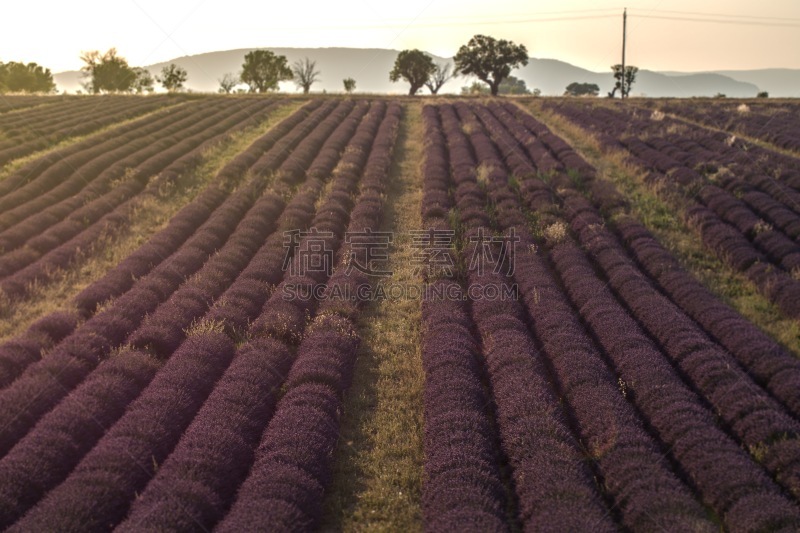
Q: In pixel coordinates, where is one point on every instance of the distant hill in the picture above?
(782, 82)
(370, 68)
(552, 76)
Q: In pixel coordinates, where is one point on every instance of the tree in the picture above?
(262, 70)
(489, 59)
(439, 77)
(762, 94)
(630, 78)
(173, 77)
(582, 89)
(227, 83)
(476, 88)
(25, 78)
(143, 82)
(349, 85)
(415, 67)
(107, 72)
(513, 85)
(305, 73)
(510, 85)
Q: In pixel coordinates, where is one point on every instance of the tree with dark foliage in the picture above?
(415, 67)
(262, 70)
(490, 60)
(25, 78)
(582, 89)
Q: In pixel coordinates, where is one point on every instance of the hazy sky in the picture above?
(687, 35)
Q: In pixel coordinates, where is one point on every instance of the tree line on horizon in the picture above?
(489, 60)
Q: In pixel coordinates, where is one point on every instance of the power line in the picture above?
(719, 21)
(608, 10)
(444, 24)
(696, 13)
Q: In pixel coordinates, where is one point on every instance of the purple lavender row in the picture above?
(755, 418)
(734, 482)
(780, 192)
(92, 155)
(738, 155)
(45, 228)
(211, 484)
(188, 219)
(45, 382)
(46, 455)
(462, 488)
(744, 157)
(768, 362)
(286, 484)
(772, 211)
(779, 248)
(726, 241)
(19, 102)
(284, 318)
(244, 300)
(42, 335)
(286, 145)
(545, 457)
(736, 488)
(183, 128)
(702, 155)
(194, 486)
(36, 117)
(44, 266)
(750, 413)
(615, 435)
(37, 120)
(33, 483)
(49, 132)
(701, 149)
(164, 329)
(775, 124)
(736, 250)
(97, 492)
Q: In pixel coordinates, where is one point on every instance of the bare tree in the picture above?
(227, 83)
(305, 73)
(440, 76)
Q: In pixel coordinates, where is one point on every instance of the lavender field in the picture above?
(380, 313)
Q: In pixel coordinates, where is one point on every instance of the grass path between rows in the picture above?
(377, 472)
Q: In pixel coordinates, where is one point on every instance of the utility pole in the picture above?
(624, 32)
